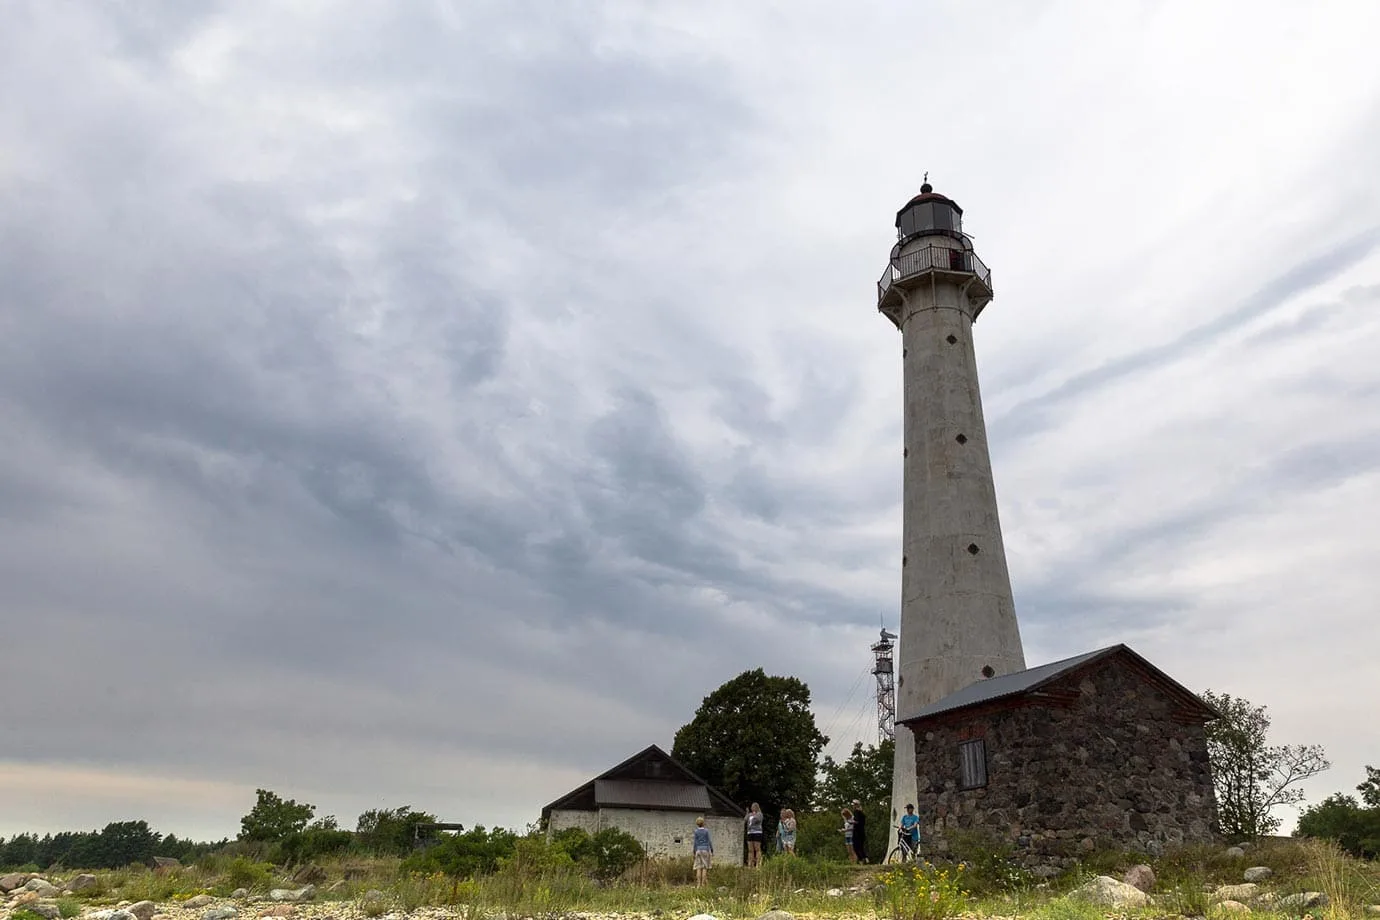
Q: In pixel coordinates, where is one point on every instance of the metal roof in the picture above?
(650, 793)
(995, 688)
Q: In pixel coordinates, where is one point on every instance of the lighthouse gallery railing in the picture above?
(932, 258)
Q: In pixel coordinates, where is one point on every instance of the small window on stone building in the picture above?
(972, 764)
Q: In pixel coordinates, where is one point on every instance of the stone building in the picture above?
(656, 799)
(1100, 750)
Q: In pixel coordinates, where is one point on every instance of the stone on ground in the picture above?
(23, 898)
(239, 893)
(110, 915)
(1303, 900)
(835, 892)
(278, 910)
(1108, 892)
(293, 895)
(12, 881)
(46, 909)
(42, 888)
(201, 900)
(1257, 873)
(83, 882)
(776, 914)
(310, 874)
(143, 910)
(1246, 892)
(1142, 877)
(166, 862)
(1234, 853)
(704, 917)
(1233, 907)
(220, 913)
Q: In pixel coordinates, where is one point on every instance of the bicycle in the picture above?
(904, 851)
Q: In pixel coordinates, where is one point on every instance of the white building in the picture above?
(656, 799)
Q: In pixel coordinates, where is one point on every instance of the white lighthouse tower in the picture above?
(958, 621)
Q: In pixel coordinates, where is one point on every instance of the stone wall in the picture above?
(1112, 769)
(664, 834)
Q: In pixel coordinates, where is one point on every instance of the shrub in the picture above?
(989, 863)
(474, 852)
(921, 892)
(312, 843)
(68, 908)
(245, 873)
(615, 851)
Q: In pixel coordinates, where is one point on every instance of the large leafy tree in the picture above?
(390, 830)
(1253, 777)
(755, 738)
(865, 776)
(273, 818)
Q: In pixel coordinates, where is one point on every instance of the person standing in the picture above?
(859, 832)
(910, 829)
(848, 834)
(703, 849)
(785, 832)
(755, 836)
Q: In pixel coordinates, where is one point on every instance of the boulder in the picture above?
(310, 874)
(240, 893)
(46, 909)
(1257, 873)
(1142, 877)
(1244, 893)
(1233, 907)
(42, 888)
(220, 913)
(80, 883)
(110, 915)
(166, 862)
(143, 910)
(1108, 892)
(293, 895)
(1234, 853)
(24, 898)
(1303, 900)
(12, 881)
(201, 900)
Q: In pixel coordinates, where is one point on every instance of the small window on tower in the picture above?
(972, 764)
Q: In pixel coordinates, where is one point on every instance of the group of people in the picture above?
(854, 832)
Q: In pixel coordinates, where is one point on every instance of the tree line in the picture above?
(755, 738)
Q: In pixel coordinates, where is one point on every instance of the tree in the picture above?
(755, 738)
(1251, 777)
(273, 818)
(864, 776)
(1370, 789)
(1338, 817)
(390, 831)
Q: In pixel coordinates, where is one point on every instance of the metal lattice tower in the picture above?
(886, 686)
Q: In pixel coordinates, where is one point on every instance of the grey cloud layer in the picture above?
(388, 395)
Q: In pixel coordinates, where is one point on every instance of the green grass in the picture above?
(549, 889)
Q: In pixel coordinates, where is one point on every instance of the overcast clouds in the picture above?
(429, 403)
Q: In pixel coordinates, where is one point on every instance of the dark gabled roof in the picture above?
(651, 793)
(1021, 683)
(650, 779)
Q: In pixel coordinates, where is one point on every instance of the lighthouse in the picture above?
(958, 620)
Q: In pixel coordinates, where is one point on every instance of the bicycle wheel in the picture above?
(896, 856)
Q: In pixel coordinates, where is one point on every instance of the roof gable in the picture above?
(649, 779)
(1020, 684)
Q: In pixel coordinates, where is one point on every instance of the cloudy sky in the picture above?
(429, 403)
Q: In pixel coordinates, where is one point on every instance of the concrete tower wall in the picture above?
(957, 613)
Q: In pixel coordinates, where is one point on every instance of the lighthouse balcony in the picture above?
(945, 263)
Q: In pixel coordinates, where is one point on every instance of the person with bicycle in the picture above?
(908, 833)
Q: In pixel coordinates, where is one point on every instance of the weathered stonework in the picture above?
(1104, 757)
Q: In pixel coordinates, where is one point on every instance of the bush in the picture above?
(989, 863)
(922, 892)
(474, 852)
(615, 851)
(245, 873)
(312, 843)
